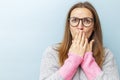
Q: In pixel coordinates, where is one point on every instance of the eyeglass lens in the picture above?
(87, 21)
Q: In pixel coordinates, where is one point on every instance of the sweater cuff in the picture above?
(90, 67)
(76, 59)
(70, 66)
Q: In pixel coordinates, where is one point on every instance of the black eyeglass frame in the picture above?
(92, 20)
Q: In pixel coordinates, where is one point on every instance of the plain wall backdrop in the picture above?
(28, 27)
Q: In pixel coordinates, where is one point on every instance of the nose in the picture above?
(80, 25)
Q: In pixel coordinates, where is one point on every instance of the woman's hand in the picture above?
(79, 44)
(89, 46)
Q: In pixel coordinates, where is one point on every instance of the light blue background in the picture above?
(27, 27)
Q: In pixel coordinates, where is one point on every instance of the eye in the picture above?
(87, 20)
(74, 20)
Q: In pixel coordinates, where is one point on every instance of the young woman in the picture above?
(81, 55)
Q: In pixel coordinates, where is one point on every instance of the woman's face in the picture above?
(81, 19)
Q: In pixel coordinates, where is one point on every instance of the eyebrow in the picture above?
(82, 17)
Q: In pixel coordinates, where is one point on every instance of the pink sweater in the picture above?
(87, 63)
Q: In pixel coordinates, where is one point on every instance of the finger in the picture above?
(76, 36)
(86, 43)
(72, 41)
(79, 37)
(91, 44)
(82, 39)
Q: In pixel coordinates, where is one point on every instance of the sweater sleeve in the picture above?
(109, 69)
(49, 65)
(70, 66)
(50, 69)
(90, 67)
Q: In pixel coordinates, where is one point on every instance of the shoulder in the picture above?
(52, 48)
(49, 60)
(109, 57)
(108, 53)
(51, 52)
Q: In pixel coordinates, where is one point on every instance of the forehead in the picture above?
(81, 12)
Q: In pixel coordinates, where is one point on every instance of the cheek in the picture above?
(73, 32)
(88, 32)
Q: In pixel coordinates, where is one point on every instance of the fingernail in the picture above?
(92, 41)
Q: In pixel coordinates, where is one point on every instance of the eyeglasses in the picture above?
(87, 21)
